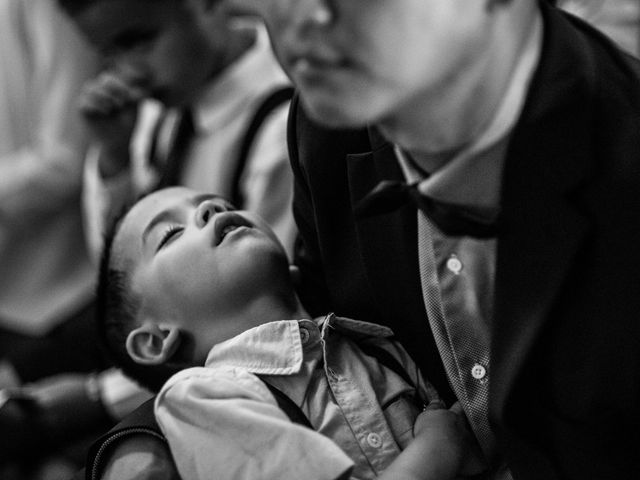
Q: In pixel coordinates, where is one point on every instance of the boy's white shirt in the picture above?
(221, 420)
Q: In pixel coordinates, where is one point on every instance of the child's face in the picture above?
(194, 262)
(168, 48)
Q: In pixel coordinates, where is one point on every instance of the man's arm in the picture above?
(443, 448)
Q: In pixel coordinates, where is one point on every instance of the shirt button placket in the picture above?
(304, 335)
(479, 372)
(454, 265)
(374, 440)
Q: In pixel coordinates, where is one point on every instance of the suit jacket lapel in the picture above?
(549, 157)
(388, 242)
(388, 245)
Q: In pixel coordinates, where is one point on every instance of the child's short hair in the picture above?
(117, 315)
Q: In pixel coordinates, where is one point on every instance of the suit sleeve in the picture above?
(226, 424)
(312, 287)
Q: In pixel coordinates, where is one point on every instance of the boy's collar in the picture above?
(242, 81)
(277, 348)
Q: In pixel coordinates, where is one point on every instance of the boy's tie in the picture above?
(454, 220)
(172, 166)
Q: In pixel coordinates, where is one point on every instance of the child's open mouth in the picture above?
(227, 229)
(227, 222)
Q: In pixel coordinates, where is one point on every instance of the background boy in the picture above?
(180, 86)
(185, 280)
(211, 72)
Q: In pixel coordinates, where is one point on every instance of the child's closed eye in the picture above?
(169, 234)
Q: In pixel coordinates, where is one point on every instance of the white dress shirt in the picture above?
(457, 273)
(221, 421)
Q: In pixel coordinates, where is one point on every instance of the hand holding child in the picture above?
(449, 440)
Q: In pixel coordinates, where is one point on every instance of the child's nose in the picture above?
(206, 211)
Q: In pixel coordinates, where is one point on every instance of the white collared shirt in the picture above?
(221, 420)
(457, 273)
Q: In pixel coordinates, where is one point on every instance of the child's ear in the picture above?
(151, 344)
(294, 271)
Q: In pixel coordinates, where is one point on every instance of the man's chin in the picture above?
(337, 112)
(334, 114)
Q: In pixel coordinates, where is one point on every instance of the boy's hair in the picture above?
(117, 315)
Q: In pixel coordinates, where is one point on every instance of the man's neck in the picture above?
(441, 122)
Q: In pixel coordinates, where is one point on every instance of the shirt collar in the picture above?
(274, 348)
(355, 329)
(239, 84)
(277, 348)
(473, 176)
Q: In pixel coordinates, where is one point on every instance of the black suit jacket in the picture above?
(565, 379)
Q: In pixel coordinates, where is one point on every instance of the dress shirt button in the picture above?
(454, 265)
(478, 371)
(374, 440)
(304, 335)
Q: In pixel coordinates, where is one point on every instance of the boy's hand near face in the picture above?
(108, 104)
(443, 447)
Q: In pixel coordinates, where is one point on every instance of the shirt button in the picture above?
(374, 440)
(454, 265)
(478, 371)
(304, 335)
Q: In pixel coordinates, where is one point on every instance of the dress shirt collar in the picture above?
(277, 348)
(473, 176)
(221, 101)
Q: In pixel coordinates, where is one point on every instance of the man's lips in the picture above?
(226, 222)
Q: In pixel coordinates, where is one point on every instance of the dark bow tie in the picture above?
(453, 220)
